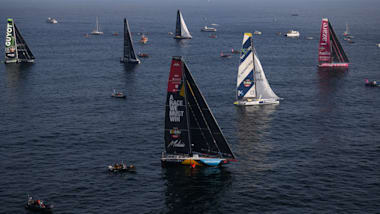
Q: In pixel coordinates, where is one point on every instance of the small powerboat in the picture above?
(224, 55)
(143, 55)
(51, 20)
(118, 94)
(122, 167)
(293, 34)
(143, 39)
(212, 36)
(257, 32)
(208, 29)
(371, 83)
(38, 205)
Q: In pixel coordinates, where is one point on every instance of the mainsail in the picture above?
(251, 79)
(190, 127)
(330, 50)
(16, 49)
(129, 53)
(181, 31)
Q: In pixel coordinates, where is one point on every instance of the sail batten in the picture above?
(129, 53)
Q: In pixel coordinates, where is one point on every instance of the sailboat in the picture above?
(346, 32)
(181, 31)
(330, 51)
(192, 135)
(16, 49)
(252, 86)
(97, 31)
(129, 53)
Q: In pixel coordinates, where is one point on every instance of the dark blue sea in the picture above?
(318, 151)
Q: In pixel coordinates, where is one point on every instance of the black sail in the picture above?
(177, 138)
(206, 136)
(178, 25)
(23, 51)
(337, 52)
(129, 53)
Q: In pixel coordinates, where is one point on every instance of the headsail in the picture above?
(330, 50)
(263, 89)
(16, 49)
(181, 31)
(190, 127)
(129, 53)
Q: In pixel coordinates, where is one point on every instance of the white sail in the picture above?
(245, 78)
(184, 31)
(263, 89)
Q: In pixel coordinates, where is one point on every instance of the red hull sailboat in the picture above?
(330, 51)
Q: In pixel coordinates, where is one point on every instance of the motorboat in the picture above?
(235, 51)
(143, 39)
(118, 94)
(257, 32)
(38, 205)
(224, 55)
(293, 34)
(213, 36)
(208, 29)
(122, 167)
(143, 55)
(371, 83)
(51, 20)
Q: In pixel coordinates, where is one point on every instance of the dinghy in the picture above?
(252, 86)
(129, 53)
(192, 136)
(16, 49)
(330, 51)
(181, 31)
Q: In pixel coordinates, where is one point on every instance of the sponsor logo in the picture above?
(176, 64)
(247, 83)
(8, 37)
(324, 32)
(240, 92)
(174, 114)
(176, 143)
(175, 132)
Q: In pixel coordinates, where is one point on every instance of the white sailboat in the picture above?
(252, 86)
(97, 31)
(347, 31)
(181, 31)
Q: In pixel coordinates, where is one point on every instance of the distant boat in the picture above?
(225, 55)
(293, 34)
(181, 31)
(208, 29)
(16, 49)
(192, 135)
(115, 34)
(143, 39)
(252, 86)
(378, 45)
(309, 38)
(143, 55)
(347, 31)
(371, 83)
(51, 20)
(213, 36)
(330, 51)
(295, 14)
(170, 33)
(118, 94)
(97, 30)
(257, 32)
(129, 53)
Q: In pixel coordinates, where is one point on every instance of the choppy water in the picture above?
(316, 152)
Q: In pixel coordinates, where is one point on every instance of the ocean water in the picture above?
(318, 151)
